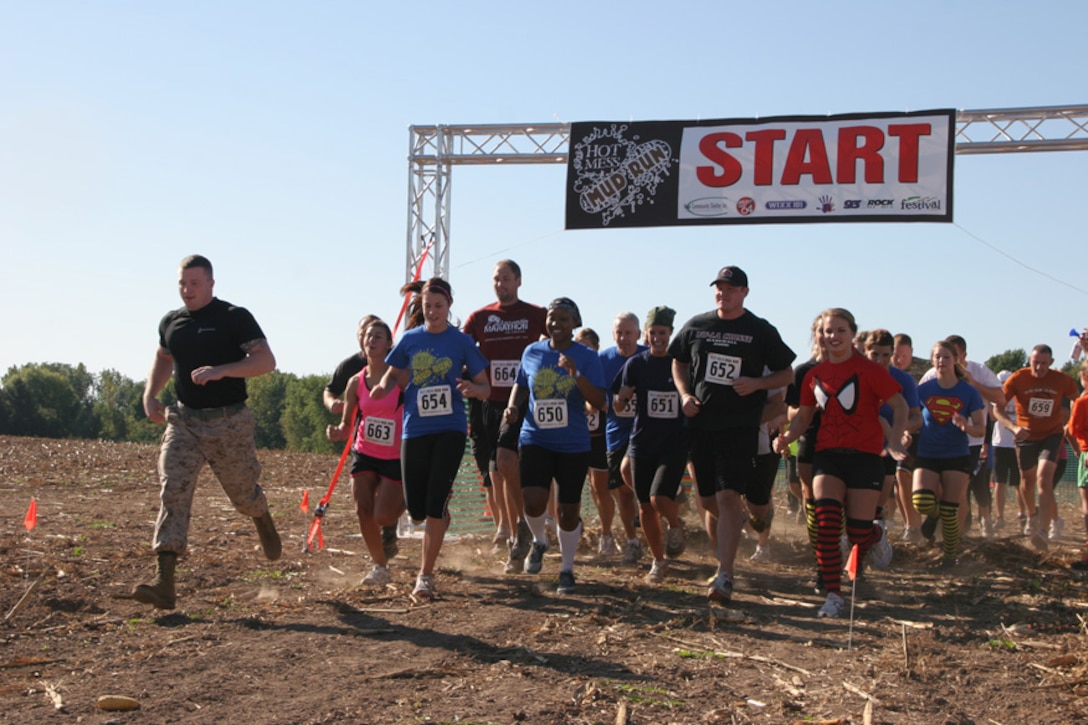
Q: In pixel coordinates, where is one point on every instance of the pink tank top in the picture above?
(380, 423)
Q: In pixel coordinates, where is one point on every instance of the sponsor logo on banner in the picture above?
(880, 204)
(921, 203)
(786, 204)
(615, 174)
(746, 205)
(827, 204)
(852, 204)
(710, 206)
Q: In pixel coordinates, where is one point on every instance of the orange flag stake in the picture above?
(31, 519)
(852, 563)
(305, 505)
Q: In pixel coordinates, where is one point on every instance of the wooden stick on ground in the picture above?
(26, 595)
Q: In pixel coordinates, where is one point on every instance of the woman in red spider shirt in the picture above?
(848, 389)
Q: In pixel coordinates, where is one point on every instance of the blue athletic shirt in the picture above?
(910, 392)
(432, 403)
(556, 418)
(939, 438)
(617, 428)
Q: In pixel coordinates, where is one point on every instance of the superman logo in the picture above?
(942, 407)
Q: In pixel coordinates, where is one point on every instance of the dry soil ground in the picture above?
(1002, 640)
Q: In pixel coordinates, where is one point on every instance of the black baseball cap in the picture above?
(731, 275)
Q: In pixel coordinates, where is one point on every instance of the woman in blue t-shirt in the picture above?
(951, 410)
(427, 364)
(557, 377)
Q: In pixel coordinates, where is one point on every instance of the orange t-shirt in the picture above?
(1039, 400)
(1078, 422)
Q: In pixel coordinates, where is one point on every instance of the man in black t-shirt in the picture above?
(209, 347)
(720, 360)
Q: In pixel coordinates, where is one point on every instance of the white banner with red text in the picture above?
(849, 167)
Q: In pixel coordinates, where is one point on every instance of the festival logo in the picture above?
(616, 175)
(746, 205)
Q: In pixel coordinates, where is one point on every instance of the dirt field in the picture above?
(1003, 640)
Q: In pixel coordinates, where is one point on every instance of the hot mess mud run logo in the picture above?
(616, 175)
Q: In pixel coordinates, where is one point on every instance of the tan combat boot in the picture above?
(270, 540)
(159, 594)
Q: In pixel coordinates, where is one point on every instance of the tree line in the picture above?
(57, 400)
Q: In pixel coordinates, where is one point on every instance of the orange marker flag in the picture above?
(31, 519)
(305, 505)
(852, 563)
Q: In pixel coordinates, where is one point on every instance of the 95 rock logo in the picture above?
(616, 175)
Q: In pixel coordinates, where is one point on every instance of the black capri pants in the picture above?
(429, 466)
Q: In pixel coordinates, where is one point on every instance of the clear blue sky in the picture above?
(272, 137)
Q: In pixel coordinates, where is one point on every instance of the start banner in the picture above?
(845, 168)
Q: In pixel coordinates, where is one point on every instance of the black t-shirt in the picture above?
(793, 398)
(720, 351)
(659, 423)
(338, 383)
(212, 335)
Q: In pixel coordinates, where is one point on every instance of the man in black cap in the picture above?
(724, 362)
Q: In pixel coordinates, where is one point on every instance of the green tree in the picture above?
(305, 417)
(1011, 360)
(119, 408)
(41, 401)
(267, 398)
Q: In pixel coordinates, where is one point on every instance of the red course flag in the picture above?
(305, 505)
(852, 563)
(31, 519)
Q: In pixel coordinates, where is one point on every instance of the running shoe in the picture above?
(424, 587)
(721, 590)
(947, 563)
(658, 570)
(762, 553)
(566, 583)
(389, 541)
(500, 538)
(1023, 521)
(523, 539)
(819, 587)
(378, 576)
(675, 541)
(1039, 541)
(513, 565)
(911, 535)
(1028, 524)
(986, 527)
(536, 558)
(632, 552)
(1056, 527)
(880, 553)
(929, 527)
(999, 525)
(607, 545)
(833, 608)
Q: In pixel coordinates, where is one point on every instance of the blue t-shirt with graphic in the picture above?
(435, 360)
(939, 438)
(556, 417)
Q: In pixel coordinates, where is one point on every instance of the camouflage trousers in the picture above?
(226, 444)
